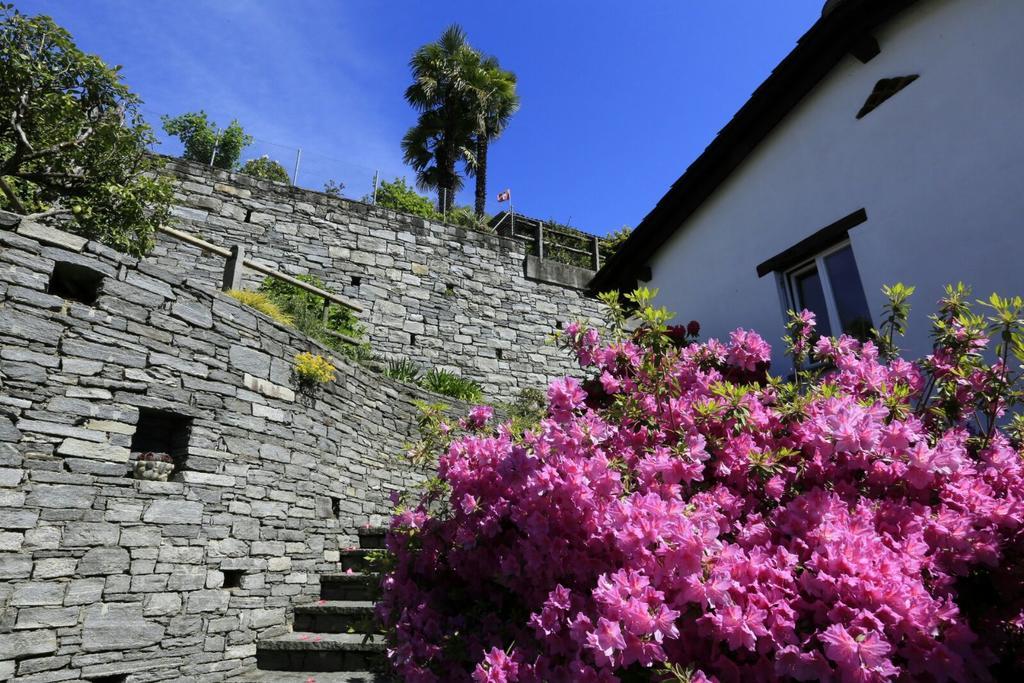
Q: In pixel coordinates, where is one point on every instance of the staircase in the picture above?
(334, 640)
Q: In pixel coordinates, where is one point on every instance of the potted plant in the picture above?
(153, 466)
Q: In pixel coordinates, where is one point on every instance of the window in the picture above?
(828, 284)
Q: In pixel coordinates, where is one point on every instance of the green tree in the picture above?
(72, 141)
(266, 168)
(443, 134)
(493, 101)
(397, 195)
(616, 239)
(204, 140)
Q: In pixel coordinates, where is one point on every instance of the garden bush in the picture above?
(446, 383)
(681, 514)
(307, 311)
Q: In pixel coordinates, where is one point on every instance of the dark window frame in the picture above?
(811, 253)
(804, 249)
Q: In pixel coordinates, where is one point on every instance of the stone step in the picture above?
(372, 538)
(303, 651)
(354, 586)
(336, 616)
(312, 677)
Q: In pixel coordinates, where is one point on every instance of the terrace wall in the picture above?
(103, 574)
(440, 295)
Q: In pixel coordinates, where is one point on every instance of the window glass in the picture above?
(810, 295)
(848, 292)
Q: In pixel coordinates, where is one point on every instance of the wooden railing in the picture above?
(544, 246)
(236, 263)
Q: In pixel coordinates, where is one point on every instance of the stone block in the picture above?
(50, 235)
(187, 579)
(10, 476)
(193, 313)
(174, 512)
(139, 536)
(78, 534)
(102, 561)
(84, 591)
(10, 541)
(97, 451)
(19, 645)
(207, 479)
(15, 566)
(61, 496)
(161, 604)
(250, 360)
(118, 626)
(268, 388)
(207, 601)
(54, 567)
(149, 583)
(18, 519)
(46, 617)
(38, 593)
(279, 564)
(110, 426)
(264, 618)
(247, 529)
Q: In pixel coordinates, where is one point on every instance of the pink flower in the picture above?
(497, 667)
(565, 395)
(607, 637)
(479, 416)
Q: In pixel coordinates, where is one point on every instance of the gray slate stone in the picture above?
(174, 512)
(116, 626)
(102, 561)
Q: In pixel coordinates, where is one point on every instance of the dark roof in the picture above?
(845, 27)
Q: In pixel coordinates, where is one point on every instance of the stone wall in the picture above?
(103, 574)
(438, 294)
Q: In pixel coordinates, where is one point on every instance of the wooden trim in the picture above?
(819, 241)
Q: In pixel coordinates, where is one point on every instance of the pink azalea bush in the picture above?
(683, 515)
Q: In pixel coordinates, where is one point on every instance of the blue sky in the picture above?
(617, 97)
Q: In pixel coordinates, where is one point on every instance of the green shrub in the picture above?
(449, 384)
(307, 310)
(262, 303)
(266, 168)
(404, 370)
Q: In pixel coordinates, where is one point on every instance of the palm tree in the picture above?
(494, 101)
(443, 134)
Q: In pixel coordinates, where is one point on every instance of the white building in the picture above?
(888, 146)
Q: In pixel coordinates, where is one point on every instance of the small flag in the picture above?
(505, 196)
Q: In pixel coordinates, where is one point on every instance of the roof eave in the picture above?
(815, 55)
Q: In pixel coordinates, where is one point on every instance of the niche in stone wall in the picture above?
(75, 282)
(160, 444)
(115, 678)
(233, 578)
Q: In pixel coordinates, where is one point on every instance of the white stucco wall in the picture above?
(939, 167)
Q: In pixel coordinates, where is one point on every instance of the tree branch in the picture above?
(56, 211)
(11, 197)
